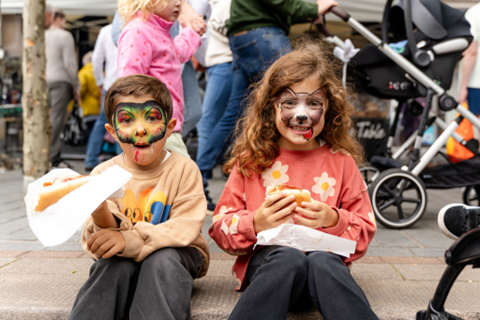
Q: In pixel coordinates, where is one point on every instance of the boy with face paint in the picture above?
(148, 245)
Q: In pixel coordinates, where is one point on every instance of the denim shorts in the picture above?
(474, 100)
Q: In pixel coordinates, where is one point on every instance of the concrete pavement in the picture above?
(399, 273)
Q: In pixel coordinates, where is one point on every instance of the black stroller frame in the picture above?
(404, 187)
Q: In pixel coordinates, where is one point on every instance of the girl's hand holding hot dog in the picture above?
(316, 214)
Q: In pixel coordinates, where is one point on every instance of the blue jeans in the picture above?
(193, 102)
(217, 93)
(95, 140)
(253, 53)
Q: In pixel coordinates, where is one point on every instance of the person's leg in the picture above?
(95, 140)
(193, 101)
(165, 284)
(109, 290)
(175, 143)
(333, 290)
(277, 277)
(253, 53)
(217, 93)
(59, 95)
(219, 136)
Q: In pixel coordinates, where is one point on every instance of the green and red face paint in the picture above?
(140, 124)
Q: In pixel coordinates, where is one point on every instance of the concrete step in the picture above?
(43, 285)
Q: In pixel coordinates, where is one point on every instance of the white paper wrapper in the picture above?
(57, 223)
(305, 239)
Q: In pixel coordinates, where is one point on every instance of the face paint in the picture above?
(301, 110)
(140, 123)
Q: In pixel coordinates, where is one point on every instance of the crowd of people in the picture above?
(290, 111)
(291, 115)
(235, 55)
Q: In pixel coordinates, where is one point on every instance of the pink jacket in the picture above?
(146, 47)
(331, 177)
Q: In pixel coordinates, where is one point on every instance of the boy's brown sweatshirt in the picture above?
(174, 189)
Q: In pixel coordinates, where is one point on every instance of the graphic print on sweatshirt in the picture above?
(148, 207)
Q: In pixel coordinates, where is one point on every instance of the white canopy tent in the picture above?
(362, 10)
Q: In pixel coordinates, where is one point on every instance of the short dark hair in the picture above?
(137, 85)
(58, 14)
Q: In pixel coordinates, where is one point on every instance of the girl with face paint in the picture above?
(295, 131)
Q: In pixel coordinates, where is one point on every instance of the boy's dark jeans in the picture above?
(159, 287)
(280, 277)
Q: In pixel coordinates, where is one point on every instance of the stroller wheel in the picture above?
(369, 173)
(398, 197)
(470, 196)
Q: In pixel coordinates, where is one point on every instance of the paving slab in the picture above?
(25, 234)
(429, 238)
(48, 266)
(12, 226)
(435, 272)
(428, 252)
(389, 252)
(5, 261)
(12, 245)
(67, 246)
(385, 238)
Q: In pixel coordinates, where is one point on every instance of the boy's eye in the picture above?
(124, 118)
(153, 115)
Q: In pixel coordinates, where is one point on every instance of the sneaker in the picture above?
(457, 218)
(210, 204)
(61, 163)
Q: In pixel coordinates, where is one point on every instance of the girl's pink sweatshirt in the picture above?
(146, 47)
(331, 177)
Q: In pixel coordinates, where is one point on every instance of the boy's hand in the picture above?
(106, 243)
(198, 25)
(316, 215)
(103, 217)
(274, 211)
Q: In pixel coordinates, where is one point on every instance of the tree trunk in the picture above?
(36, 120)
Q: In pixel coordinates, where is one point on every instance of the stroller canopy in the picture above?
(434, 19)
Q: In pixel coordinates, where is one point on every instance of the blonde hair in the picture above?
(128, 8)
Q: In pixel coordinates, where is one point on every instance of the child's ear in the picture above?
(171, 126)
(111, 130)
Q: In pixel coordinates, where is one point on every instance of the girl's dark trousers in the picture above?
(281, 278)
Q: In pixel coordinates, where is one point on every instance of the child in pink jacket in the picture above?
(146, 47)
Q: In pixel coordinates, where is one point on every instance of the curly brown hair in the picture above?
(257, 134)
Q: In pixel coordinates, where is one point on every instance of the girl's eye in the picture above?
(289, 104)
(151, 119)
(315, 104)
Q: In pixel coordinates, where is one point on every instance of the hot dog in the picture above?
(301, 195)
(60, 187)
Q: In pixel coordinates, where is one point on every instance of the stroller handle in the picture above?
(339, 12)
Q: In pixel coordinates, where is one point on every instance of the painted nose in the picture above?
(141, 132)
(301, 118)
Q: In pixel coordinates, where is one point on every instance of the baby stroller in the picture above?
(436, 36)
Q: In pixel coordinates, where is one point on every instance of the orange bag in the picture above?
(455, 151)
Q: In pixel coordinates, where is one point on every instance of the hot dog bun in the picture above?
(301, 195)
(52, 192)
